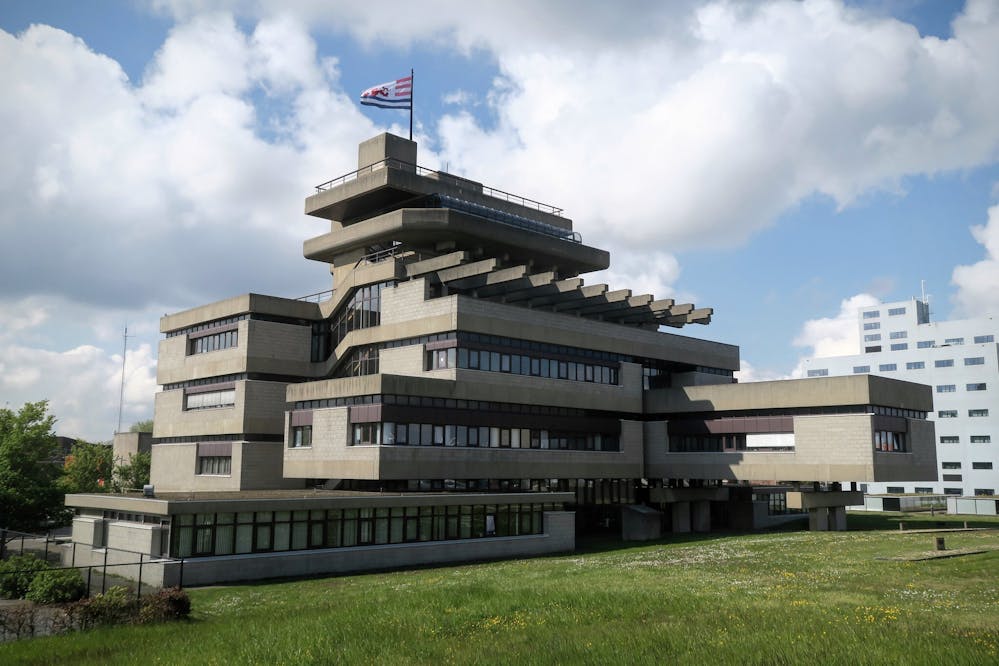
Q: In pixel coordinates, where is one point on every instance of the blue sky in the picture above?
(781, 162)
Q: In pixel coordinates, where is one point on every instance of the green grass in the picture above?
(780, 598)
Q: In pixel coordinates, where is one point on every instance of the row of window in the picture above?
(217, 465)
(975, 439)
(715, 444)
(925, 490)
(888, 441)
(426, 434)
(206, 534)
(952, 413)
(214, 342)
(911, 365)
(210, 399)
(517, 364)
(974, 465)
(951, 388)
(438, 403)
(204, 326)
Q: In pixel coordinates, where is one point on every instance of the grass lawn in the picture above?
(778, 598)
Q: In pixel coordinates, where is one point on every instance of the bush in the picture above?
(56, 586)
(167, 604)
(116, 606)
(16, 574)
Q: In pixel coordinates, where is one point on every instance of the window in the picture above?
(895, 490)
(860, 369)
(984, 492)
(950, 465)
(216, 465)
(978, 412)
(887, 367)
(872, 350)
(821, 372)
(947, 414)
(949, 439)
(872, 325)
(954, 341)
(301, 436)
(210, 399)
(946, 388)
(872, 337)
(953, 491)
(979, 339)
(923, 490)
(951, 477)
(925, 344)
(981, 439)
(366, 433)
(977, 386)
(944, 363)
(872, 314)
(898, 335)
(981, 465)
(915, 365)
(214, 342)
(900, 346)
(894, 312)
(975, 360)
(891, 442)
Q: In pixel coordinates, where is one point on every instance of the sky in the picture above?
(784, 163)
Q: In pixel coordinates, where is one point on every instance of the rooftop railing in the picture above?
(442, 176)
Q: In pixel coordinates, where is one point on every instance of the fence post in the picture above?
(47, 535)
(22, 545)
(74, 554)
(104, 571)
(138, 590)
(180, 580)
(90, 574)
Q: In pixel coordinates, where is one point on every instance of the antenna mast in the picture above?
(121, 389)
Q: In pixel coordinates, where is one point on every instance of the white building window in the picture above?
(211, 399)
(894, 312)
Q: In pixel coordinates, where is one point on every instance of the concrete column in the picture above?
(681, 517)
(818, 519)
(700, 516)
(837, 518)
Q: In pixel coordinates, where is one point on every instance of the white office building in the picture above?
(959, 360)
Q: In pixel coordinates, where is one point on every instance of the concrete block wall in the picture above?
(329, 457)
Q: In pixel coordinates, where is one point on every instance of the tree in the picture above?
(133, 474)
(142, 426)
(88, 468)
(30, 498)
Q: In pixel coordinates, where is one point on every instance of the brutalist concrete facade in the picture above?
(462, 386)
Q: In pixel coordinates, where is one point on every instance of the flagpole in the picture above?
(412, 87)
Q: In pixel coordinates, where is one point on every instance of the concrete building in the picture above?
(959, 359)
(461, 393)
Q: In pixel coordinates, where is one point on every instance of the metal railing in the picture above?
(442, 176)
(318, 297)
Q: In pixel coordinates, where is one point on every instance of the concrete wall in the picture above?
(258, 409)
(127, 444)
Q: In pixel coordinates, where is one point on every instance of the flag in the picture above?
(396, 94)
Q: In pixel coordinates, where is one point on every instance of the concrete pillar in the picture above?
(681, 517)
(818, 519)
(837, 518)
(700, 515)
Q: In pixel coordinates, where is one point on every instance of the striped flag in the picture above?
(396, 94)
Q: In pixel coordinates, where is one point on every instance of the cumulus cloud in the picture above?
(838, 335)
(82, 383)
(978, 284)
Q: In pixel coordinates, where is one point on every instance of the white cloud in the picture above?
(978, 284)
(750, 373)
(838, 335)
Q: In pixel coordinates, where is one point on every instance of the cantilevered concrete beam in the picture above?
(433, 264)
(550, 289)
(468, 270)
(519, 284)
(485, 279)
(601, 299)
(614, 307)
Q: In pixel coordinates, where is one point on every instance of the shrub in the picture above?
(16, 574)
(56, 586)
(116, 606)
(167, 604)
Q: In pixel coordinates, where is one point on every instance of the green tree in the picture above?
(142, 426)
(88, 468)
(134, 473)
(30, 498)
